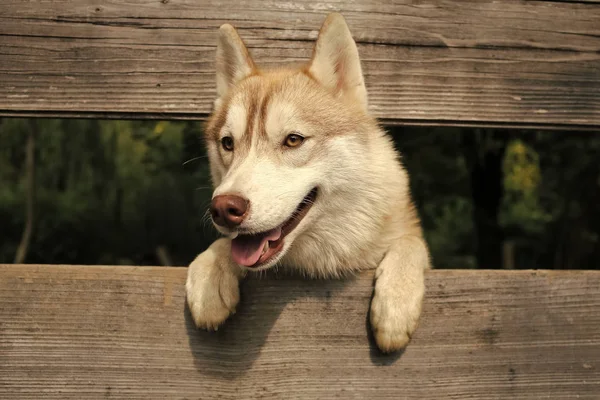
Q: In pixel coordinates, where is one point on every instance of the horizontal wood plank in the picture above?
(485, 62)
(73, 332)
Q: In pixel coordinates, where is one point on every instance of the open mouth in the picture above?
(255, 250)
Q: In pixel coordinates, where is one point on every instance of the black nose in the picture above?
(229, 210)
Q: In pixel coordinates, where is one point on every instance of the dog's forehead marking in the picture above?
(248, 109)
(266, 106)
(242, 111)
(276, 112)
(251, 118)
(262, 116)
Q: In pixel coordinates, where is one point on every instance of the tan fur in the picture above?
(363, 217)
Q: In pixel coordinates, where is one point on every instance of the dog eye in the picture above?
(293, 140)
(227, 143)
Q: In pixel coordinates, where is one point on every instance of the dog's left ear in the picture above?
(335, 62)
(233, 60)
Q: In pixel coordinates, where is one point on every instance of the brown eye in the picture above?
(227, 143)
(293, 140)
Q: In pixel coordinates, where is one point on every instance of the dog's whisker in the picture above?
(192, 160)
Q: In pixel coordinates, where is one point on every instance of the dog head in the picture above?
(280, 141)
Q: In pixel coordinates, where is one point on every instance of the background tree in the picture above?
(30, 193)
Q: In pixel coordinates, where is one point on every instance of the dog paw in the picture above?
(212, 289)
(394, 318)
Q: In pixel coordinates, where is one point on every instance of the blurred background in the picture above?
(137, 192)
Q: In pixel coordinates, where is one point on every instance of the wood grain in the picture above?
(73, 332)
(485, 62)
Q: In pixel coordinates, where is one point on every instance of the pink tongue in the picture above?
(247, 249)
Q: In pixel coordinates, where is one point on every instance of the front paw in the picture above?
(212, 287)
(394, 316)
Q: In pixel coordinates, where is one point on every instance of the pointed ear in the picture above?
(335, 62)
(233, 60)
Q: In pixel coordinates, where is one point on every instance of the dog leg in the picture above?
(398, 294)
(213, 285)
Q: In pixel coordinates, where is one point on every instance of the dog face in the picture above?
(280, 142)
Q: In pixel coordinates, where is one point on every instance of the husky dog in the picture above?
(305, 177)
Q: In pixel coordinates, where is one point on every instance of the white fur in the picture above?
(363, 216)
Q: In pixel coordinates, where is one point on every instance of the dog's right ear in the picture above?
(233, 60)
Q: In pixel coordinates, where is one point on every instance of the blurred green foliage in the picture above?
(115, 192)
(108, 192)
(549, 209)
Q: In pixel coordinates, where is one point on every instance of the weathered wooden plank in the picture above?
(486, 62)
(70, 332)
